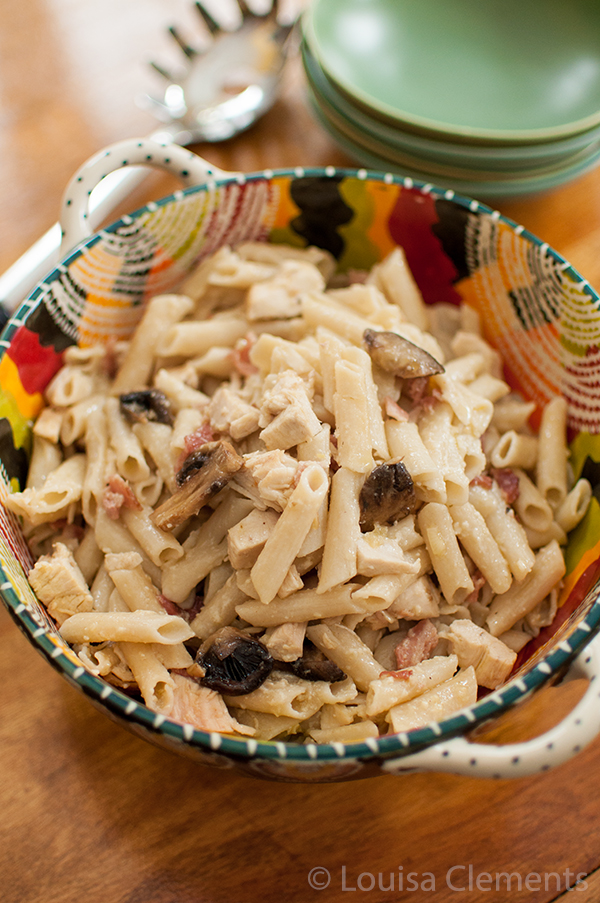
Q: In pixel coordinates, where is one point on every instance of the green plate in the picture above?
(440, 171)
(488, 190)
(516, 71)
(506, 158)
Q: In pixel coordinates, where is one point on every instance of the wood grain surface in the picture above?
(88, 810)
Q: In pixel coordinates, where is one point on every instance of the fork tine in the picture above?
(246, 12)
(212, 25)
(161, 71)
(154, 106)
(189, 51)
(270, 14)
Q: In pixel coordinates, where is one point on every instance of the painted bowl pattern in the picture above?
(539, 313)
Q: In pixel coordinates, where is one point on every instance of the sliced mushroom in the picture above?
(203, 473)
(148, 404)
(387, 495)
(315, 666)
(234, 663)
(397, 355)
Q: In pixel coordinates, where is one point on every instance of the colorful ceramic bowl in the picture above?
(540, 314)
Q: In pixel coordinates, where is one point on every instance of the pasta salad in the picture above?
(295, 505)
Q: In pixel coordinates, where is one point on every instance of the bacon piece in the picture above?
(188, 614)
(405, 674)
(508, 481)
(417, 389)
(416, 645)
(357, 276)
(110, 364)
(478, 581)
(240, 356)
(393, 410)
(193, 441)
(426, 403)
(119, 494)
(170, 607)
(482, 479)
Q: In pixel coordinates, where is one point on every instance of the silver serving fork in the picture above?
(225, 86)
(221, 91)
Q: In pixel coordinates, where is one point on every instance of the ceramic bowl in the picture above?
(540, 314)
(359, 57)
(499, 158)
(490, 186)
(507, 73)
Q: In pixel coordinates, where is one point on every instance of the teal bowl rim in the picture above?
(124, 708)
(440, 128)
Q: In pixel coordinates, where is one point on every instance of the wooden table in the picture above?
(88, 810)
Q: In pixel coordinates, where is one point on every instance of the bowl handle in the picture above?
(512, 760)
(135, 152)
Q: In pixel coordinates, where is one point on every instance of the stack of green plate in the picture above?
(489, 99)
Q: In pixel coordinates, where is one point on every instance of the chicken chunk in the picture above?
(420, 600)
(377, 554)
(279, 297)
(491, 658)
(286, 642)
(247, 538)
(268, 478)
(59, 584)
(203, 708)
(229, 413)
(286, 412)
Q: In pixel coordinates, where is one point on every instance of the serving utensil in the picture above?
(222, 89)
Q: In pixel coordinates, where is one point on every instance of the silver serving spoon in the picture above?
(221, 91)
(226, 86)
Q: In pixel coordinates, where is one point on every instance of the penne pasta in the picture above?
(125, 627)
(437, 528)
(153, 679)
(574, 506)
(294, 511)
(522, 597)
(339, 561)
(289, 533)
(551, 473)
(477, 539)
(160, 315)
(46, 456)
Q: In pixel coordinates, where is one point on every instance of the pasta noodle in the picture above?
(294, 512)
